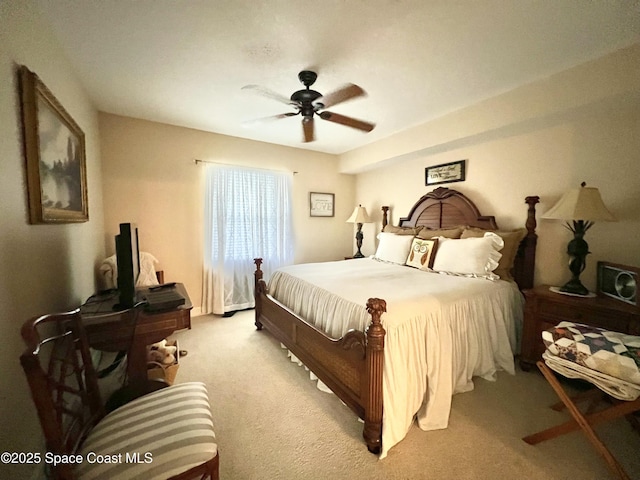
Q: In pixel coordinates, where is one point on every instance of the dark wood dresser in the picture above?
(545, 309)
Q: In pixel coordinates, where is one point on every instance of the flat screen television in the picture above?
(128, 261)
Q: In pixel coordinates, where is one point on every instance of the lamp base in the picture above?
(578, 249)
(359, 237)
(574, 287)
(559, 290)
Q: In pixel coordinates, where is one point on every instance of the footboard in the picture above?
(350, 366)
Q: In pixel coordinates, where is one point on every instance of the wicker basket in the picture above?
(159, 371)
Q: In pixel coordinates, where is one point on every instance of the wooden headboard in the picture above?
(445, 208)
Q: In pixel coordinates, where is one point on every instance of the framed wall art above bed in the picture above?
(445, 173)
(363, 348)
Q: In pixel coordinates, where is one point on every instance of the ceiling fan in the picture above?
(310, 103)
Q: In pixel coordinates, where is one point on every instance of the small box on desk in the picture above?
(167, 372)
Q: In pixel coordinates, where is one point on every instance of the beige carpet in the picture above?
(273, 423)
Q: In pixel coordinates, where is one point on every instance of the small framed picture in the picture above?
(445, 173)
(321, 204)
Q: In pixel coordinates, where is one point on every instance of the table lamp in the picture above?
(359, 216)
(582, 206)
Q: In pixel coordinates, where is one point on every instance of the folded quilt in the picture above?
(609, 360)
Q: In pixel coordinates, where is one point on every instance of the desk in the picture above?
(132, 329)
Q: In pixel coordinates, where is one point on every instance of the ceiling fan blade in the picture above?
(265, 92)
(348, 121)
(343, 94)
(257, 121)
(308, 129)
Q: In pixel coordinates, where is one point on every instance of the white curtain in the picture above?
(247, 215)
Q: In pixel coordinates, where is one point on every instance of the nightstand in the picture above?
(545, 309)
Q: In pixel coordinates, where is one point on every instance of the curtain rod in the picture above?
(197, 160)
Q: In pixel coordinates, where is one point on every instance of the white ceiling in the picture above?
(183, 62)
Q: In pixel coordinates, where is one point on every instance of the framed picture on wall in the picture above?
(445, 173)
(54, 150)
(321, 204)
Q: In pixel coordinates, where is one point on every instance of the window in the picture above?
(247, 215)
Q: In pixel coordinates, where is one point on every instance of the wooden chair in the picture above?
(621, 397)
(165, 434)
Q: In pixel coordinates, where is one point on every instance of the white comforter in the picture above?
(441, 330)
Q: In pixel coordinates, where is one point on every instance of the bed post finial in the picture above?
(531, 223)
(524, 267)
(376, 307)
(375, 361)
(385, 216)
(259, 289)
(258, 272)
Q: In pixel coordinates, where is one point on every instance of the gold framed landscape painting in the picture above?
(54, 149)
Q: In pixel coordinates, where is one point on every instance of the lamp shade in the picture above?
(584, 203)
(359, 215)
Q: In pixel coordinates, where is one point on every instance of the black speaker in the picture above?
(619, 282)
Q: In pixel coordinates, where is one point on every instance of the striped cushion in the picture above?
(171, 429)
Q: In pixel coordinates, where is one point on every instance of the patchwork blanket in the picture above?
(609, 360)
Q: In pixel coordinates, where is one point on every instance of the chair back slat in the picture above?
(62, 380)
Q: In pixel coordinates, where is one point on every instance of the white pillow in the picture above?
(474, 257)
(393, 248)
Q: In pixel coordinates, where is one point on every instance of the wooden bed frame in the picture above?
(351, 366)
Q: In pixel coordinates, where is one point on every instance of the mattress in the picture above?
(441, 330)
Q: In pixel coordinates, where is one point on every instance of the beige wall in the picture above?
(150, 178)
(542, 139)
(43, 268)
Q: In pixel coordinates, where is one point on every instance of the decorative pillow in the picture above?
(512, 241)
(473, 257)
(427, 233)
(401, 230)
(393, 248)
(421, 254)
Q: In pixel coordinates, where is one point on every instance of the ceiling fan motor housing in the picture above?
(305, 98)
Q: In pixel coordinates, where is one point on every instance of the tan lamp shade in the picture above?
(359, 215)
(584, 203)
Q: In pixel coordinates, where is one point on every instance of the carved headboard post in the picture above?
(385, 216)
(524, 266)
